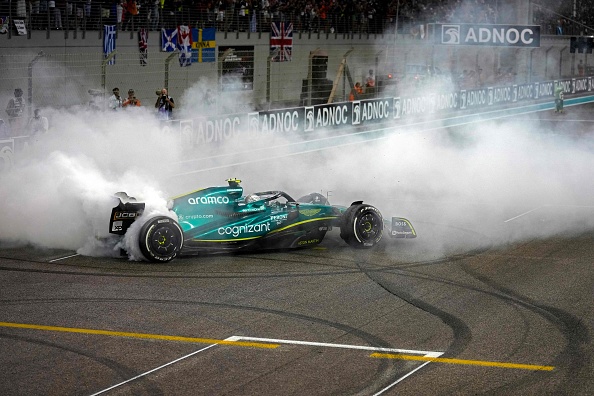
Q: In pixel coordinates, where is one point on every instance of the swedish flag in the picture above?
(203, 45)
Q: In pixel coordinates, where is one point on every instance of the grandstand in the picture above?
(66, 67)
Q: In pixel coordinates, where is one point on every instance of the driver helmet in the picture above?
(251, 198)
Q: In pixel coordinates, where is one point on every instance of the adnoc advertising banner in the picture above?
(487, 35)
(328, 116)
(282, 122)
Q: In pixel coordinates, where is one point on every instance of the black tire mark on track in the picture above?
(461, 332)
(573, 359)
(385, 366)
(122, 371)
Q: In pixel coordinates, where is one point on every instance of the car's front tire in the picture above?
(362, 226)
(160, 239)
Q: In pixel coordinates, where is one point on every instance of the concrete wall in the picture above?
(72, 65)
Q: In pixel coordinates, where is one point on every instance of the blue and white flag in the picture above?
(184, 45)
(168, 40)
(109, 42)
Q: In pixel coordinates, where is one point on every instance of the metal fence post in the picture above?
(167, 61)
(30, 82)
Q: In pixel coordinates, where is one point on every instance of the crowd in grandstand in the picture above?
(340, 16)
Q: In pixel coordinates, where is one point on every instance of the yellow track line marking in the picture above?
(462, 361)
(138, 335)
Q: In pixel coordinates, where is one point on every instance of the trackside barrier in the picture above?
(432, 110)
(309, 121)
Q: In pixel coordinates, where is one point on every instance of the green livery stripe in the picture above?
(226, 240)
(303, 222)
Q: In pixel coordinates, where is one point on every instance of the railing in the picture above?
(87, 15)
(90, 16)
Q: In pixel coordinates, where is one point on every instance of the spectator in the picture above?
(154, 13)
(38, 124)
(559, 28)
(165, 105)
(370, 81)
(120, 7)
(115, 101)
(356, 92)
(558, 98)
(208, 99)
(55, 13)
(131, 100)
(581, 68)
(59, 12)
(130, 14)
(105, 12)
(15, 110)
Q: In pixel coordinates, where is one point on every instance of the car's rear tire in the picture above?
(160, 239)
(361, 226)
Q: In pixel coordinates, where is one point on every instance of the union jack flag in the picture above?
(281, 38)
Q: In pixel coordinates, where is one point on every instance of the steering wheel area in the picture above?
(267, 196)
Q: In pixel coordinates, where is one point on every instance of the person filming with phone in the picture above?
(131, 100)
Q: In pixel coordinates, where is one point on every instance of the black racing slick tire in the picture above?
(362, 226)
(160, 239)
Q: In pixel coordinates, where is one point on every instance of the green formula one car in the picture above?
(222, 219)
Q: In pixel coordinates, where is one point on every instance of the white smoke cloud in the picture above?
(60, 192)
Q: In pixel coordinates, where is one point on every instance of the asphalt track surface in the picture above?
(493, 318)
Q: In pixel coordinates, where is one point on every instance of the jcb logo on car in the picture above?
(125, 215)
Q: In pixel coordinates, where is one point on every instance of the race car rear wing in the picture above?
(123, 215)
(402, 228)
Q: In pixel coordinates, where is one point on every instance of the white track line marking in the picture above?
(64, 258)
(294, 342)
(343, 346)
(155, 369)
(357, 347)
(401, 379)
(523, 214)
(550, 206)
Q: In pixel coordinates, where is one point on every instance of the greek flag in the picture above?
(109, 42)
